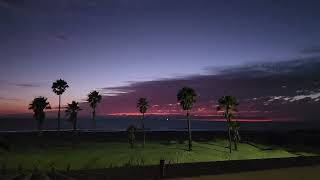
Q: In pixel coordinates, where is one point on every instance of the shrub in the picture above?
(131, 135)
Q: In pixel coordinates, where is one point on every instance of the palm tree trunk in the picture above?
(238, 136)
(94, 119)
(75, 124)
(189, 131)
(235, 140)
(59, 114)
(40, 127)
(144, 133)
(229, 129)
(229, 132)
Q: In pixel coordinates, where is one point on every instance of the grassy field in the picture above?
(90, 155)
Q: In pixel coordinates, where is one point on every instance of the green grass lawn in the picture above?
(90, 155)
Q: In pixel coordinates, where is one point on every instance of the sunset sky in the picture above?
(266, 53)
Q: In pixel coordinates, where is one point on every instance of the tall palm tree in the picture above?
(187, 97)
(143, 105)
(38, 105)
(94, 98)
(72, 113)
(228, 105)
(59, 87)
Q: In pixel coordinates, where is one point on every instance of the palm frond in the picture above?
(142, 105)
(38, 105)
(59, 86)
(186, 97)
(94, 98)
(72, 110)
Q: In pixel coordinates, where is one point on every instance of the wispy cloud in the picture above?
(12, 4)
(311, 50)
(19, 84)
(25, 85)
(9, 99)
(62, 37)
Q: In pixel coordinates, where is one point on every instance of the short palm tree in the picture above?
(94, 98)
(72, 113)
(228, 105)
(187, 97)
(142, 106)
(38, 105)
(59, 87)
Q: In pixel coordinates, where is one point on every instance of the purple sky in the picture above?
(101, 44)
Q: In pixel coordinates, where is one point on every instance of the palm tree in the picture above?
(228, 104)
(72, 113)
(38, 105)
(94, 98)
(142, 105)
(186, 97)
(59, 87)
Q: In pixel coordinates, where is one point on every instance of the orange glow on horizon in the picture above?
(239, 120)
(10, 109)
(139, 114)
(197, 116)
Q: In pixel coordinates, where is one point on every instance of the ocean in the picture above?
(152, 124)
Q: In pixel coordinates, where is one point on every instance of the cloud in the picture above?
(8, 99)
(62, 37)
(311, 97)
(25, 85)
(252, 84)
(304, 66)
(12, 4)
(311, 50)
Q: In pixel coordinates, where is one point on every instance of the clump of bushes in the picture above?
(4, 144)
(131, 135)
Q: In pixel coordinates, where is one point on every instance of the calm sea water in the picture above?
(153, 124)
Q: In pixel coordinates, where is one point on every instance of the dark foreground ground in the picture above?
(295, 173)
(206, 170)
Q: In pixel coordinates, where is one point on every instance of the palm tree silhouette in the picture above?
(94, 98)
(186, 97)
(59, 87)
(228, 104)
(72, 113)
(38, 105)
(143, 105)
